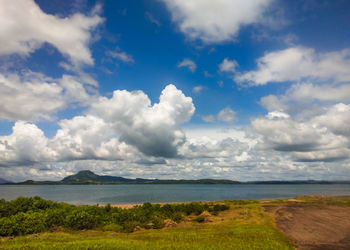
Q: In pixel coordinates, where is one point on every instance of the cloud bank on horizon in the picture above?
(175, 89)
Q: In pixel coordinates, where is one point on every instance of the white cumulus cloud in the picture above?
(123, 127)
(26, 145)
(215, 21)
(296, 64)
(24, 27)
(154, 130)
(33, 96)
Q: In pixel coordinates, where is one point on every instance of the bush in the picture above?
(158, 223)
(220, 207)
(81, 220)
(194, 207)
(30, 223)
(112, 227)
(7, 227)
(177, 217)
(213, 212)
(55, 217)
(108, 208)
(22, 223)
(129, 226)
(200, 219)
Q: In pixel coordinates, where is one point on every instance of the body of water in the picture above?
(130, 194)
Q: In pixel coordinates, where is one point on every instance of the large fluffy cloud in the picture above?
(322, 136)
(154, 130)
(24, 27)
(127, 135)
(215, 21)
(26, 145)
(218, 144)
(309, 122)
(298, 63)
(33, 96)
(125, 126)
(307, 99)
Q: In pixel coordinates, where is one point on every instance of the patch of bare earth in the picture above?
(315, 226)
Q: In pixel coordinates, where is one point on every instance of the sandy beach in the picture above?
(131, 205)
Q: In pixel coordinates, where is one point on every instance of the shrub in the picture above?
(30, 223)
(213, 212)
(129, 226)
(108, 208)
(194, 207)
(177, 217)
(6, 227)
(112, 227)
(80, 219)
(220, 207)
(22, 223)
(55, 217)
(200, 219)
(158, 223)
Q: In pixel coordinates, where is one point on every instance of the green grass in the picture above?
(244, 226)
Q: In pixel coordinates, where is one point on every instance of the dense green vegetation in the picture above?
(244, 226)
(33, 215)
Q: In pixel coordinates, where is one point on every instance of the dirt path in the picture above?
(315, 226)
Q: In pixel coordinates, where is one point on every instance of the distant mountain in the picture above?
(89, 177)
(3, 181)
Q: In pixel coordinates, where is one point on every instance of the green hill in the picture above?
(87, 176)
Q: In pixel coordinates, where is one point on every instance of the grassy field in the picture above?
(244, 226)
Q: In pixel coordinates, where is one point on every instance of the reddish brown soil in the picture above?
(315, 226)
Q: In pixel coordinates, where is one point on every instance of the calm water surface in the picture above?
(126, 194)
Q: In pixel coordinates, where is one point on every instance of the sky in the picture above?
(175, 89)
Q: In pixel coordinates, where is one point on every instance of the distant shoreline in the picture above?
(177, 182)
(87, 177)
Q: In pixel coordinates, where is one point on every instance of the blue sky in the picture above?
(253, 90)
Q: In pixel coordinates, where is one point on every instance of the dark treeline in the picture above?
(34, 215)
